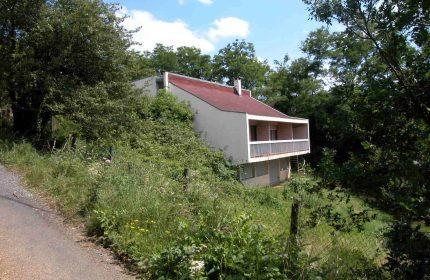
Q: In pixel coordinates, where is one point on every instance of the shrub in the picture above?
(166, 107)
(409, 256)
(141, 205)
(236, 249)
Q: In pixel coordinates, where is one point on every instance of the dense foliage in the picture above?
(202, 224)
(366, 92)
(236, 60)
(62, 58)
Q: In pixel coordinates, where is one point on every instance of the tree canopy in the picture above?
(62, 53)
(370, 121)
(239, 60)
(236, 60)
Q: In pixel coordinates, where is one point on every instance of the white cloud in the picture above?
(207, 2)
(177, 33)
(170, 33)
(228, 27)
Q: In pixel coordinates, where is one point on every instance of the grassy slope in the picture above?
(138, 204)
(140, 208)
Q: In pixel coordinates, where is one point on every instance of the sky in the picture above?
(275, 27)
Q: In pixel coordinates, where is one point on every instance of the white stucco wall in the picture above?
(227, 131)
(265, 179)
(148, 85)
(257, 181)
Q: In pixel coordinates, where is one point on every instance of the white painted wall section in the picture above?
(148, 86)
(222, 130)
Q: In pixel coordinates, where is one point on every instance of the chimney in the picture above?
(166, 80)
(238, 86)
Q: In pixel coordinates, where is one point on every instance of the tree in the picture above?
(238, 60)
(193, 63)
(187, 61)
(17, 19)
(141, 66)
(289, 80)
(163, 58)
(398, 31)
(63, 46)
(381, 69)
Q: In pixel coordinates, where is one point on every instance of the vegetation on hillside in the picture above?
(65, 73)
(139, 202)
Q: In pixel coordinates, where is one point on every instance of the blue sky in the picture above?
(276, 27)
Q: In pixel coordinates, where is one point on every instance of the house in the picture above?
(254, 135)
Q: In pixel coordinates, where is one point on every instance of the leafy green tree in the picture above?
(380, 67)
(193, 63)
(17, 20)
(140, 66)
(58, 49)
(163, 58)
(239, 60)
(165, 107)
(398, 31)
(291, 80)
(187, 61)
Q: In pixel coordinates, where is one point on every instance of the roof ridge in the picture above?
(205, 81)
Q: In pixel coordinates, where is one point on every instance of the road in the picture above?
(35, 243)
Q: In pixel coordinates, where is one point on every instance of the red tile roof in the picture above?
(224, 97)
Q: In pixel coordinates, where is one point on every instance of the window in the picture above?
(261, 168)
(284, 163)
(253, 131)
(273, 134)
(247, 171)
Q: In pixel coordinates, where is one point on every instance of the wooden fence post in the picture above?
(186, 178)
(74, 139)
(293, 242)
(294, 227)
(111, 153)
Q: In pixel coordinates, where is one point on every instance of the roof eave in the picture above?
(277, 119)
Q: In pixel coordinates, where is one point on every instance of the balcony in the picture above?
(277, 139)
(269, 148)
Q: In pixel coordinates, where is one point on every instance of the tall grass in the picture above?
(139, 207)
(142, 207)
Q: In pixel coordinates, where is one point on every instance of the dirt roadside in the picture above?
(35, 243)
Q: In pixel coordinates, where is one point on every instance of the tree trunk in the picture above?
(30, 119)
(294, 226)
(24, 122)
(44, 128)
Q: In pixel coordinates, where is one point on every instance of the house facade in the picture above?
(258, 138)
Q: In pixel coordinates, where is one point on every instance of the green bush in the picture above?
(409, 256)
(166, 107)
(205, 225)
(235, 249)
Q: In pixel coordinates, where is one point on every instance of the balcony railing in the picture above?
(268, 148)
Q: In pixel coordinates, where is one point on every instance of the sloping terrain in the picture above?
(35, 244)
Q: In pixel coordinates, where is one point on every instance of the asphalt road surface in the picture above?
(35, 243)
